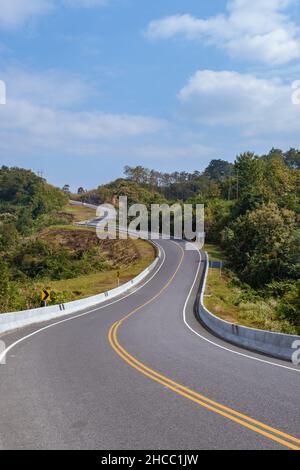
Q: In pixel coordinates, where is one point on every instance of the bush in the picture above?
(289, 307)
(38, 259)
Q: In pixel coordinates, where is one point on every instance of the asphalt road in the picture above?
(141, 373)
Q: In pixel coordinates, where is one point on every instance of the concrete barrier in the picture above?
(15, 320)
(279, 345)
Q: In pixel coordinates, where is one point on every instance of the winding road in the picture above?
(140, 372)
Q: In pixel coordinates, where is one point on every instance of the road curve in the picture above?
(140, 372)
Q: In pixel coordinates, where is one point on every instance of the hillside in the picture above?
(135, 192)
(252, 213)
(41, 247)
(26, 201)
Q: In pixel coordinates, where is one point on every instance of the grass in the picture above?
(220, 297)
(224, 300)
(80, 213)
(74, 228)
(215, 252)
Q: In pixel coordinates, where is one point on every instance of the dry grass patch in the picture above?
(79, 213)
(93, 284)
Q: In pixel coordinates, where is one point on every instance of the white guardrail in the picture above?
(279, 345)
(15, 320)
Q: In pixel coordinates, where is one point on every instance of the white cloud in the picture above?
(253, 105)
(14, 13)
(48, 88)
(258, 30)
(52, 123)
(45, 116)
(41, 113)
(85, 3)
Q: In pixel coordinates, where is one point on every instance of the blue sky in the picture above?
(93, 85)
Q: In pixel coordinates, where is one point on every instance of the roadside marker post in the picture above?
(118, 276)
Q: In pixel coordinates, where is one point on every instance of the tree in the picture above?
(25, 198)
(80, 190)
(135, 193)
(292, 159)
(256, 241)
(66, 189)
(289, 307)
(249, 172)
(217, 216)
(279, 181)
(6, 287)
(139, 174)
(219, 170)
(291, 256)
(274, 153)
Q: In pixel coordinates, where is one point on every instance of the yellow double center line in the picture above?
(240, 418)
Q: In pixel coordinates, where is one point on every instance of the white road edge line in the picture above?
(216, 344)
(24, 338)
